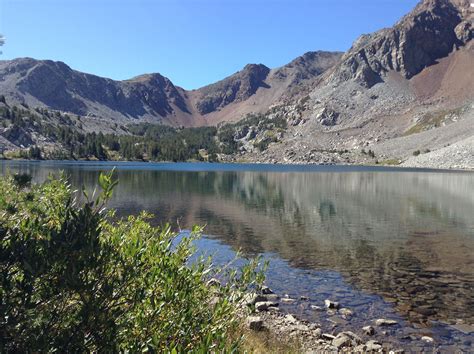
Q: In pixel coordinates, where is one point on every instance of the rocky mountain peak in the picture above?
(235, 88)
(308, 66)
(416, 41)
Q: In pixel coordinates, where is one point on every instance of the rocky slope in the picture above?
(400, 83)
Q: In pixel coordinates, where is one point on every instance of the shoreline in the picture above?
(267, 323)
(297, 166)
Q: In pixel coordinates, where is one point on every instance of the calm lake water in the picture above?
(386, 243)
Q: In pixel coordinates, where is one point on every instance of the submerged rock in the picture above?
(346, 312)
(288, 300)
(368, 330)
(384, 322)
(316, 308)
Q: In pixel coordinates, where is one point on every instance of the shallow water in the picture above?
(386, 243)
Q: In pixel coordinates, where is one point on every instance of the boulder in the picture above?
(328, 336)
(331, 304)
(266, 290)
(341, 341)
(288, 300)
(290, 319)
(427, 339)
(373, 345)
(464, 31)
(255, 323)
(346, 339)
(252, 299)
(264, 305)
(272, 297)
(368, 330)
(327, 116)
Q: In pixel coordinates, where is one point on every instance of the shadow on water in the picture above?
(406, 237)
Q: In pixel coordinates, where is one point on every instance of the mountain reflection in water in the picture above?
(406, 236)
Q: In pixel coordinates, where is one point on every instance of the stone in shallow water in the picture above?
(272, 297)
(346, 339)
(316, 308)
(368, 330)
(346, 312)
(337, 320)
(266, 290)
(264, 305)
(427, 339)
(372, 345)
(464, 328)
(331, 304)
(341, 341)
(384, 322)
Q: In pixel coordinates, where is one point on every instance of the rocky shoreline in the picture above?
(266, 316)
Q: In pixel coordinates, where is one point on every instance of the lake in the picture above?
(384, 242)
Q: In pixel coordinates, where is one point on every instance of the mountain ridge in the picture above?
(398, 84)
(151, 97)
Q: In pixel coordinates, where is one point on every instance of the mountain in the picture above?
(404, 90)
(404, 94)
(151, 97)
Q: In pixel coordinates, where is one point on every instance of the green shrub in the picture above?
(75, 278)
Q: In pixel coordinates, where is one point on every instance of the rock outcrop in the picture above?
(415, 42)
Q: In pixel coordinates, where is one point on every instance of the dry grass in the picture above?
(267, 342)
(390, 162)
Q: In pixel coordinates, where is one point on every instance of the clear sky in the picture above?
(193, 42)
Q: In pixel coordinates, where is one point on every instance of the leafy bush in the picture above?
(75, 278)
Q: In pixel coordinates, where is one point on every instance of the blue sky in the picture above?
(193, 42)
